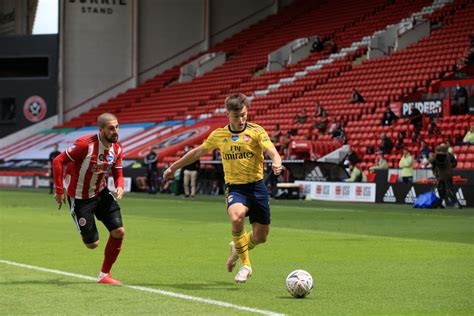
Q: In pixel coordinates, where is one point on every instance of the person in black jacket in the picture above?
(443, 162)
(151, 171)
(52, 155)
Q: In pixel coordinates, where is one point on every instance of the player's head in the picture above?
(108, 127)
(55, 147)
(237, 108)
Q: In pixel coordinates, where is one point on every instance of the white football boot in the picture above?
(244, 273)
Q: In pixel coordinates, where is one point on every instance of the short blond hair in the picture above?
(104, 118)
(236, 102)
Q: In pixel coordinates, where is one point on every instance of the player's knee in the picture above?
(237, 220)
(118, 233)
(93, 245)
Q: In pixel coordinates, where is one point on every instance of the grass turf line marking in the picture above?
(147, 289)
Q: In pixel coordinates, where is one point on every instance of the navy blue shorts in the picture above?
(254, 196)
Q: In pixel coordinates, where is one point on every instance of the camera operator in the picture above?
(443, 162)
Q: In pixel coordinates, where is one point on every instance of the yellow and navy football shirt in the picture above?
(241, 152)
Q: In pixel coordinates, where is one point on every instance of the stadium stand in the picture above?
(325, 77)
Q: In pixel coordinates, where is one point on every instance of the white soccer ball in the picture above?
(299, 283)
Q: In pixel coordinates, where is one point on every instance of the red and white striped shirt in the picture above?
(88, 163)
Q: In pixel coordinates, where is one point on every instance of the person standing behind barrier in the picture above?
(52, 155)
(443, 162)
(151, 171)
(190, 176)
(406, 164)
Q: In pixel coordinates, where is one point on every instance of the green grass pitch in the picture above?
(365, 259)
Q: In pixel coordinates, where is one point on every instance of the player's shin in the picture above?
(252, 243)
(241, 242)
(111, 252)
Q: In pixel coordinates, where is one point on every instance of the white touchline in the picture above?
(147, 289)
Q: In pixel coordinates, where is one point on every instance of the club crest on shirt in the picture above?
(100, 158)
(246, 138)
(82, 221)
(235, 137)
(70, 149)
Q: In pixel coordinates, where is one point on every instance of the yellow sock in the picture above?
(241, 242)
(252, 244)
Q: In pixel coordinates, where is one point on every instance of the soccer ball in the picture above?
(299, 283)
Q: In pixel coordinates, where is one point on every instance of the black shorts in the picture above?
(103, 206)
(254, 196)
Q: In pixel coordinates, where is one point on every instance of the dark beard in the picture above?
(111, 140)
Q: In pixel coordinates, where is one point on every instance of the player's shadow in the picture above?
(214, 285)
(57, 282)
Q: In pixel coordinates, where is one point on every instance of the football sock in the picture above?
(111, 252)
(241, 242)
(252, 243)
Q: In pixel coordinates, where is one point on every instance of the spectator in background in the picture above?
(151, 171)
(285, 143)
(424, 151)
(276, 135)
(388, 117)
(469, 137)
(302, 117)
(350, 158)
(52, 155)
(356, 174)
(400, 140)
(425, 162)
(459, 101)
(356, 97)
(406, 164)
(433, 129)
(318, 110)
(321, 124)
(190, 176)
(338, 133)
(386, 146)
(381, 163)
(317, 45)
(416, 119)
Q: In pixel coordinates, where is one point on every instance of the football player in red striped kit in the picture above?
(88, 162)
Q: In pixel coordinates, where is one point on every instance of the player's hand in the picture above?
(118, 193)
(60, 199)
(277, 169)
(168, 175)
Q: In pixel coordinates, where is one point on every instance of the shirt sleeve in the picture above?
(78, 151)
(263, 139)
(118, 162)
(117, 172)
(211, 142)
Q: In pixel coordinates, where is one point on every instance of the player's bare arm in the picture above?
(190, 157)
(276, 160)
